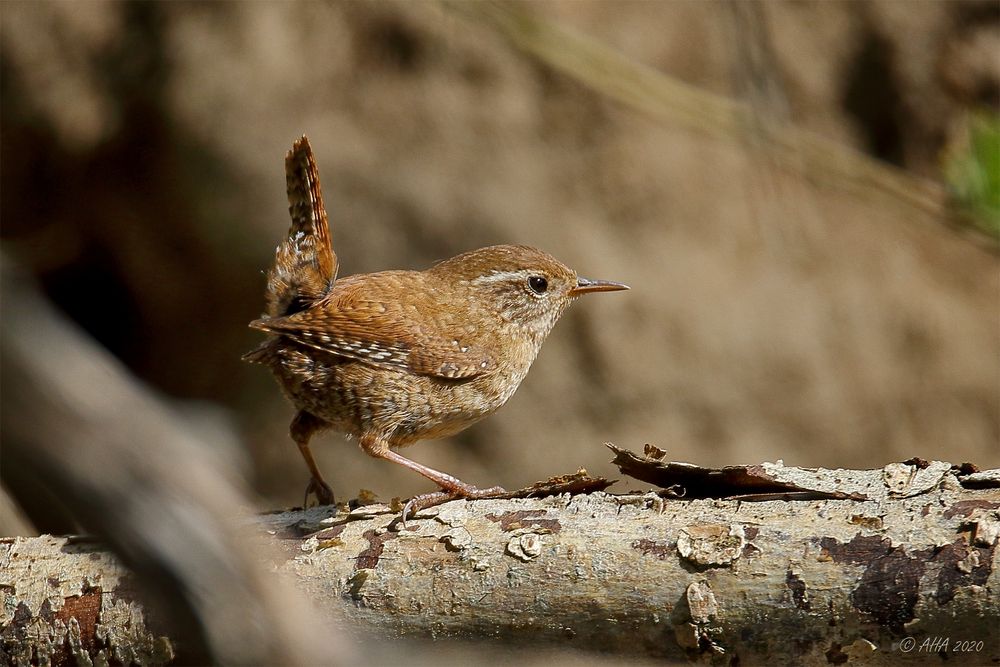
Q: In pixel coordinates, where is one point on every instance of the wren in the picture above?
(399, 356)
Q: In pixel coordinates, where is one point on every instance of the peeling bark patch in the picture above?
(871, 522)
(986, 479)
(859, 551)
(330, 533)
(961, 565)
(711, 545)
(964, 508)
(798, 590)
(368, 559)
(525, 547)
(750, 550)
(914, 477)
(889, 587)
(651, 547)
(525, 519)
(86, 609)
(701, 602)
(22, 614)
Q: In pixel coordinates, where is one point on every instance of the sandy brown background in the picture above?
(143, 184)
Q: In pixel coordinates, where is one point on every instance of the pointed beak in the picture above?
(583, 286)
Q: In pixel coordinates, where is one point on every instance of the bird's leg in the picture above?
(452, 487)
(304, 425)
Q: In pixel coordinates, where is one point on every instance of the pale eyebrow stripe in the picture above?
(500, 276)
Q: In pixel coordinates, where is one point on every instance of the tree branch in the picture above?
(817, 581)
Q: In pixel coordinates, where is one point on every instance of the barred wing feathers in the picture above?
(354, 322)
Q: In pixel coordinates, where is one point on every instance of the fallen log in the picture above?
(893, 572)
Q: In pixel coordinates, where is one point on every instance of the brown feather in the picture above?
(305, 265)
(376, 319)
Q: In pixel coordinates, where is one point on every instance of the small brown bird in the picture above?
(399, 356)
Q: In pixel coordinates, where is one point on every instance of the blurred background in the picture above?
(773, 315)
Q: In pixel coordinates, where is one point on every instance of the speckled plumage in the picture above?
(399, 356)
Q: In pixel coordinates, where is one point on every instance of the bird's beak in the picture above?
(583, 286)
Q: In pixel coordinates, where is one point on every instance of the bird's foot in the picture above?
(425, 500)
(320, 489)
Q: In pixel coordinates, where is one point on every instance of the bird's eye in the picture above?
(538, 284)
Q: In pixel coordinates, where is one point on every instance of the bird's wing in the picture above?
(388, 335)
(305, 265)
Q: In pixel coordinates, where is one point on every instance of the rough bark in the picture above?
(807, 581)
(68, 603)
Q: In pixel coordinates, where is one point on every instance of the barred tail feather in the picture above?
(305, 265)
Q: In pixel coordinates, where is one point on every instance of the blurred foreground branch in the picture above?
(85, 442)
(803, 582)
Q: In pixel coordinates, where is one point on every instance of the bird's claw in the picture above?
(423, 501)
(322, 491)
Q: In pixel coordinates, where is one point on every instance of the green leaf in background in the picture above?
(972, 170)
